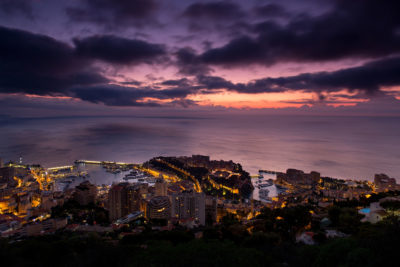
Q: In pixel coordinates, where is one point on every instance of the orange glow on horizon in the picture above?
(48, 96)
(257, 101)
(236, 100)
(393, 91)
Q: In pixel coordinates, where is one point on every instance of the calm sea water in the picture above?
(342, 147)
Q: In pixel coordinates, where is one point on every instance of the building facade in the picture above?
(188, 205)
(85, 193)
(158, 207)
(125, 198)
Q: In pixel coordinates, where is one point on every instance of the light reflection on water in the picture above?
(97, 175)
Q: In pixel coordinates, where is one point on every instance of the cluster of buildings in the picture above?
(204, 161)
(385, 183)
(85, 193)
(293, 176)
(186, 207)
(225, 178)
(312, 187)
(28, 194)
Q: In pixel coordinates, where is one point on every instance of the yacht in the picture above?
(135, 175)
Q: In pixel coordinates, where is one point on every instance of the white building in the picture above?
(374, 213)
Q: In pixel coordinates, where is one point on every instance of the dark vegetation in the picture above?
(76, 213)
(271, 243)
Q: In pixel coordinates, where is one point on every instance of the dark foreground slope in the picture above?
(228, 244)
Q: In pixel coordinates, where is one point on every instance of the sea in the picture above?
(346, 147)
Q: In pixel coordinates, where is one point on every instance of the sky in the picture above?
(98, 57)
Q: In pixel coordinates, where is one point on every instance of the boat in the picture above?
(135, 175)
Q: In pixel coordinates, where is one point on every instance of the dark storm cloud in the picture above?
(368, 78)
(118, 50)
(135, 83)
(46, 84)
(352, 29)
(214, 82)
(179, 82)
(225, 18)
(214, 11)
(114, 13)
(239, 51)
(113, 95)
(12, 7)
(270, 10)
(189, 63)
(22, 49)
(38, 64)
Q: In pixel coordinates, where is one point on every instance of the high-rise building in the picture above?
(115, 201)
(210, 210)
(85, 193)
(158, 207)
(124, 198)
(189, 205)
(7, 175)
(161, 187)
